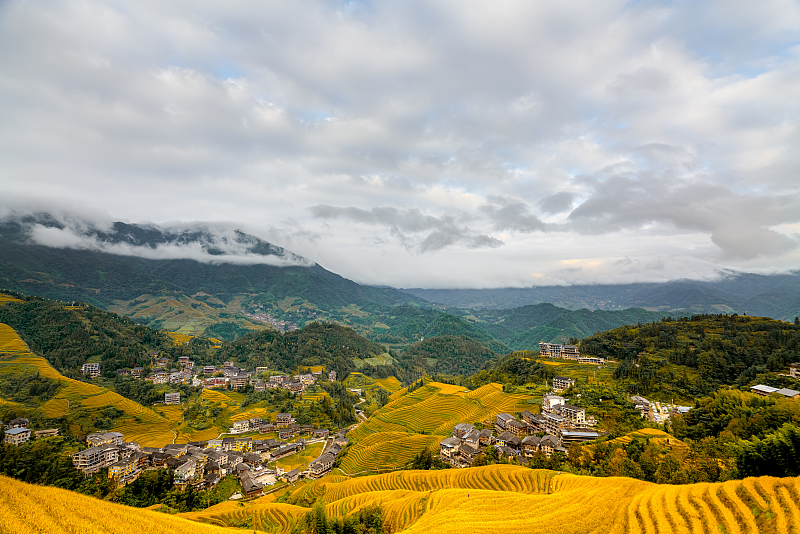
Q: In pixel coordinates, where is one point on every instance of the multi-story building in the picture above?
(321, 465)
(562, 383)
(332, 376)
(94, 459)
(185, 472)
(449, 450)
(17, 436)
(137, 372)
(105, 438)
(556, 350)
(240, 426)
(91, 369)
(172, 398)
(573, 414)
(122, 469)
(284, 420)
(238, 381)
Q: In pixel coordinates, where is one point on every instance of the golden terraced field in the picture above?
(504, 498)
(139, 424)
(413, 421)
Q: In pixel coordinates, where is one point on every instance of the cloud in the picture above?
(409, 225)
(442, 136)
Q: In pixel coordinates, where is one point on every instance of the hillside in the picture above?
(450, 355)
(413, 421)
(82, 404)
(518, 499)
(723, 349)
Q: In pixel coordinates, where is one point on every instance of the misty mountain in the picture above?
(104, 266)
(776, 296)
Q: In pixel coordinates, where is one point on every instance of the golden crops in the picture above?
(8, 298)
(413, 421)
(504, 498)
(26, 509)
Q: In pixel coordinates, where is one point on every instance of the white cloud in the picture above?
(523, 133)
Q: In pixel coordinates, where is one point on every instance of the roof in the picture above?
(505, 416)
(579, 434)
(564, 378)
(15, 431)
(464, 426)
(450, 442)
(531, 440)
(764, 389)
(786, 392)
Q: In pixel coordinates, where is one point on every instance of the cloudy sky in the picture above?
(421, 143)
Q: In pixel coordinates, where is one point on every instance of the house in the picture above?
(642, 404)
(286, 433)
(332, 376)
(573, 414)
(137, 372)
(255, 422)
(19, 422)
(577, 436)
(461, 429)
(102, 438)
(763, 390)
(554, 422)
(501, 421)
(160, 377)
(253, 459)
(467, 453)
(93, 459)
(185, 472)
(172, 398)
(562, 383)
(529, 445)
(251, 487)
(243, 444)
(91, 369)
(49, 433)
(291, 476)
(306, 429)
(485, 437)
(123, 469)
(209, 370)
(123, 372)
(518, 428)
(794, 370)
(17, 436)
(183, 359)
(555, 350)
(502, 438)
(321, 433)
(473, 437)
(239, 381)
(284, 420)
(321, 465)
(549, 402)
(449, 450)
(550, 444)
(227, 364)
(240, 426)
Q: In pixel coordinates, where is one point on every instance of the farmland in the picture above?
(410, 422)
(26, 508)
(512, 498)
(139, 424)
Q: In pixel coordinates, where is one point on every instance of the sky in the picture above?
(437, 144)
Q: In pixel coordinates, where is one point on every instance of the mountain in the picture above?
(776, 296)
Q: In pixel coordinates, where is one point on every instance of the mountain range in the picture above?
(207, 279)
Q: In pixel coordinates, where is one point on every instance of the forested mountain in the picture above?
(724, 349)
(451, 355)
(776, 296)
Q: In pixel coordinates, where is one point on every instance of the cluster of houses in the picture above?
(657, 412)
(561, 424)
(227, 376)
(567, 352)
(18, 433)
(199, 464)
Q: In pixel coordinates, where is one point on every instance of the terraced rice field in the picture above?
(516, 499)
(385, 450)
(423, 418)
(8, 298)
(26, 509)
(139, 424)
(301, 459)
(180, 339)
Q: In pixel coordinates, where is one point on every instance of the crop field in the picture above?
(25, 509)
(385, 450)
(421, 419)
(601, 374)
(8, 298)
(180, 339)
(301, 459)
(517, 499)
